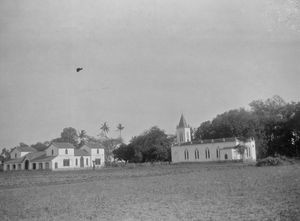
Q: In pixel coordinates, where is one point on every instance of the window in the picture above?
(181, 137)
(226, 156)
(76, 162)
(66, 162)
(14, 166)
(34, 166)
(66, 151)
(97, 151)
(40, 166)
(56, 165)
(98, 161)
(218, 153)
(249, 151)
(197, 154)
(52, 152)
(19, 166)
(207, 153)
(87, 161)
(186, 154)
(47, 165)
(16, 155)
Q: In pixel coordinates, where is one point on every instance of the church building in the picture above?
(222, 149)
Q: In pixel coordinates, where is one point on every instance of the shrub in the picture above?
(269, 161)
(274, 161)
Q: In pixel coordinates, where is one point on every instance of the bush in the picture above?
(274, 161)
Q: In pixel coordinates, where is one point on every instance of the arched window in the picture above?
(181, 137)
(15, 155)
(76, 162)
(197, 154)
(52, 152)
(207, 153)
(66, 151)
(186, 154)
(218, 153)
(87, 161)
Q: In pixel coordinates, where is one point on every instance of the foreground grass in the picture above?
(170, 192)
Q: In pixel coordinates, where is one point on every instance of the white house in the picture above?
(96, 153)
(58, 156)
(223, 149)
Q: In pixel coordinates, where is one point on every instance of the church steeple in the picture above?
(183, 131)
(182, 122)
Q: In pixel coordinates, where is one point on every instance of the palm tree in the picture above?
(120, 127)
(82, 137)
(105, 128)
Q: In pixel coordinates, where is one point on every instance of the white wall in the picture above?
(178, 155)
(100, 155)
(186, 135)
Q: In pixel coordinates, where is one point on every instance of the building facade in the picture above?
(58, 156)
(224, 149)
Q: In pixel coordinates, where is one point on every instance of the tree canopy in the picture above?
(273, 123)
(152, 145)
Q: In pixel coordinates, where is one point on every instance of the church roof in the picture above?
(182, 122)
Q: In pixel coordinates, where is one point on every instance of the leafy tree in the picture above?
(5, 153)
(125, 152)
(240, 148)
(68, 135)
(40, 146)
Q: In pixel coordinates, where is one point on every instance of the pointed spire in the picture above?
(182, 122)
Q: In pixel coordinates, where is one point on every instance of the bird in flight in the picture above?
(79, 69)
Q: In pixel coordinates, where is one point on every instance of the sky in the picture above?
(144, 63)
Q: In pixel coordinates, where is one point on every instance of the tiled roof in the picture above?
(17, 160)
(182, 122)
(93, 145)
(32, 156)
(26, 149)
(79, 152)
(43, 158)
(63, 145)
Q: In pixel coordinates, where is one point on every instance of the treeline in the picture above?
(274, 123)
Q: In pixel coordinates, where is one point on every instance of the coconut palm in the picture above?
(120, 127)
(105, 128)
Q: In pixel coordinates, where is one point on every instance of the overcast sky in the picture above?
(144, 62)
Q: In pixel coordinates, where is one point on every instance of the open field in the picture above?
(229, 191)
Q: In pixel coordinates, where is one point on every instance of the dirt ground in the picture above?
(214, 191)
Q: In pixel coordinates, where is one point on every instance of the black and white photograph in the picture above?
(162, 110)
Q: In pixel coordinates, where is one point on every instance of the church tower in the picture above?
(183, 132)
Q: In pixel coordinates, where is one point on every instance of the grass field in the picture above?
(230, 191)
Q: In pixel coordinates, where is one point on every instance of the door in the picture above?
(26, 164)
(81, 162)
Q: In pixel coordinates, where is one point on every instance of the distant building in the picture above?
(223, 149)
(58, 156)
